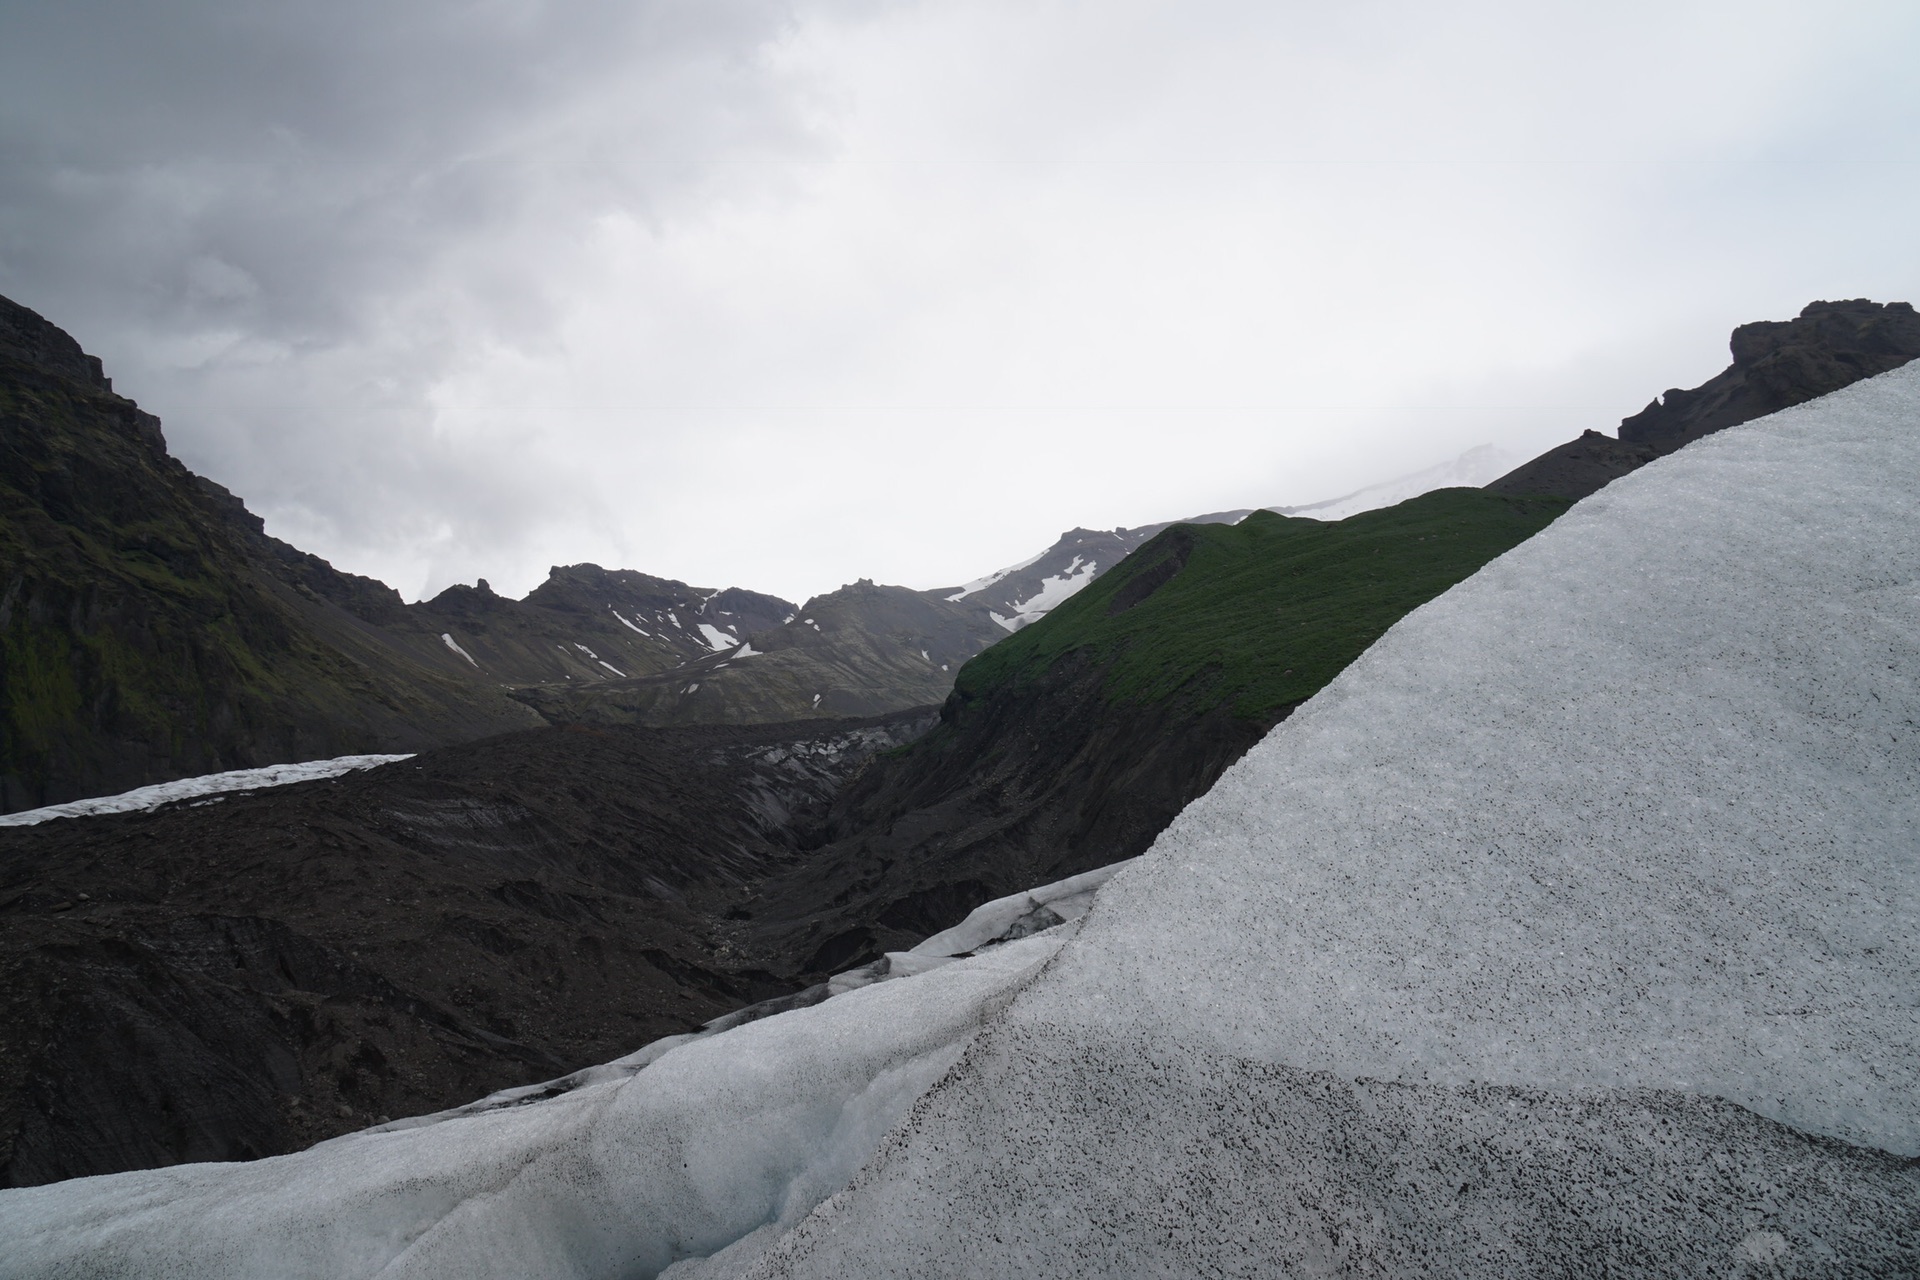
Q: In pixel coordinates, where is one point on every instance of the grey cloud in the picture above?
(282, 222)
(448, 290)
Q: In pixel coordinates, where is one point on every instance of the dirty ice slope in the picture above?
(1613, 835)
(665, 1157)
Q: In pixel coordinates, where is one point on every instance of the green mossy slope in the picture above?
(1071, 744)
(1260, 615)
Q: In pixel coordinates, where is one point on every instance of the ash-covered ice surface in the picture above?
(1573, 931)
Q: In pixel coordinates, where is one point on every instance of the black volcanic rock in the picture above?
(1022, 789)
(1577, 468)
(237, 978)
(1776, 364)
(29, 342)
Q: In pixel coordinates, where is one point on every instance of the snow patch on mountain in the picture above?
(1053, 592)
(981, 584)
(718, 640)
(146, 799)
(447, 639)
(629, 625)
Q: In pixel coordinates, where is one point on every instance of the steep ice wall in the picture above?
(1574, 929)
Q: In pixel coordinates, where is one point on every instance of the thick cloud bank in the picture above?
(1573, 930)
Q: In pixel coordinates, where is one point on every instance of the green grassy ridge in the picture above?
(1266, 612)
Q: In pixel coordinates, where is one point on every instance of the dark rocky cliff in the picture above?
(149, 629)
(1776, 365)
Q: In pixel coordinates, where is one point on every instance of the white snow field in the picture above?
(146, 799)
(1572, 931)
(1478, 466)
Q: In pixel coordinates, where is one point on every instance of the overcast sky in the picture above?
(782, 295)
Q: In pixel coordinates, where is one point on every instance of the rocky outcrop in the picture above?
(149, 629)
(1776, 364)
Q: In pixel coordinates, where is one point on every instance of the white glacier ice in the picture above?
(146, 799)
(1063, 900)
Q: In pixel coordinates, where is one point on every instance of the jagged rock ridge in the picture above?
(1776, 364)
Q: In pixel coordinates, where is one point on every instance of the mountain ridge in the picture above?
(1776, 364)
(151, 628)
